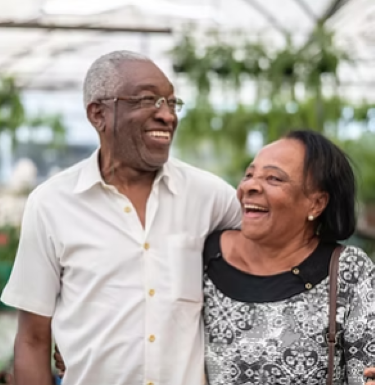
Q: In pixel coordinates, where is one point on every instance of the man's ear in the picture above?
(96, 115)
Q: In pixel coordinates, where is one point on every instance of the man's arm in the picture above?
(32, 350)
(227, 212)
(33, 288)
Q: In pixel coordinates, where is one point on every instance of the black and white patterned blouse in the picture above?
(272, 330)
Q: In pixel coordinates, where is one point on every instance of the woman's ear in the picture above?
(96, 115)
(319, 201)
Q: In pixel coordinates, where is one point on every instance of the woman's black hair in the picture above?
(329, 170)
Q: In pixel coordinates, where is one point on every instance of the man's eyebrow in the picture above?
(149, 87)
(142, 87)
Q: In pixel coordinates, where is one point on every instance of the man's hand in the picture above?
(59, 362)
(370, 373)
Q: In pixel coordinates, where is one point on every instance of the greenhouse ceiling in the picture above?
(49, 44)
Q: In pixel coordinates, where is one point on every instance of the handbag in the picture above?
(331, 335)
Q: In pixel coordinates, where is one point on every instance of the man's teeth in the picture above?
(160, 134)
(255, 207)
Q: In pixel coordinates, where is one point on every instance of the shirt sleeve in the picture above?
(34, 283)
(227, 212)
(359, 333)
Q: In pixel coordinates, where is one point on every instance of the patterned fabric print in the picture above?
(285, 342)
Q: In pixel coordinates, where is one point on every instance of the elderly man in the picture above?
(110, 249)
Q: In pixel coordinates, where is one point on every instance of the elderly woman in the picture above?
(266, 287)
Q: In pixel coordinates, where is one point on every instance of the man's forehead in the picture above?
(140, 69)
(143, 75)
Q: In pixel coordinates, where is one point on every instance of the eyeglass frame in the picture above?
(159, 101)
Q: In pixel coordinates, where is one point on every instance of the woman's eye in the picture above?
(274, 178)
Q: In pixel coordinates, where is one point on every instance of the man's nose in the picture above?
(165, 114)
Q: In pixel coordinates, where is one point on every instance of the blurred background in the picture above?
(248, 71)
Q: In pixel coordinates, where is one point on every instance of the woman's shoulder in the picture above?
(212, 245)
(355, 265)
(355, 255)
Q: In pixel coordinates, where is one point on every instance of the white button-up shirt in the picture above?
(125, 301)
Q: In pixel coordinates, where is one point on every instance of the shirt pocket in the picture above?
(185, 261)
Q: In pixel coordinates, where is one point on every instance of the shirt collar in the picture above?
(90, 176)
(315, 267)
(168, 174)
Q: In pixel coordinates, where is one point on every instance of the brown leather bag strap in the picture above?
(331, 336)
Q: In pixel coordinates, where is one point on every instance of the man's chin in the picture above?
(154, 163)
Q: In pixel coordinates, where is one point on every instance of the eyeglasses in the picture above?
(150, 101)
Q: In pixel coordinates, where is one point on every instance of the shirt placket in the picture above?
(152, 337)
(152, 326)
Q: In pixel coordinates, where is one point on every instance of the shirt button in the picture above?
(295, 271)
(127, 209)
(308, 286)
(151, 292)
(151, 338)
(150, 383)
(146, 246)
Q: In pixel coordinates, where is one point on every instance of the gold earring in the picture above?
(310, 218)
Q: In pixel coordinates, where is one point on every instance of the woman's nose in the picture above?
(251, 185)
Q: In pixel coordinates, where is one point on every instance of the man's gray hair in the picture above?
(103, 78)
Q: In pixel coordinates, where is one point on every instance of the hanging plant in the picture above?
(284, 64)
(184, 55)
(254, 55)
(283, 67)
(285, 71)
(221, 59)
(324, 62)
(322, 56)
(327, 63)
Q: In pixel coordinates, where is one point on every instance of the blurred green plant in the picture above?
(288, 82)
(9, 237)
(362, 153)
(13, 116)
(220, 139)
